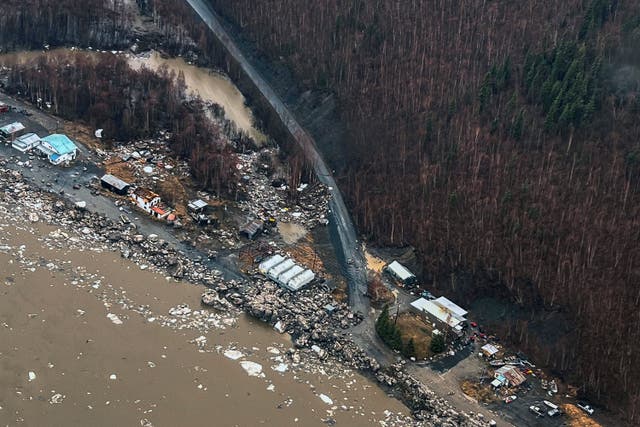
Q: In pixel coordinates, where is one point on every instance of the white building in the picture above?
(269, 263)
(440, 314)
(286, 273)
(145, 199)
(401, 273)
(26, 142)
(58, 148)
(276, 271)
(301, 280)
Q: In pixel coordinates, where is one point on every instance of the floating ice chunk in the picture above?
(115, 319)
(56, 398)
(233, 354)
(32, 376)
(113, 377)
(252, 368)
(280, 327)
(271, 387)
(280, 367)
(326, 399)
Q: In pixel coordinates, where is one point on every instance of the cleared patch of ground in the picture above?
(481, 392)
(412, 326)
(119, 168)
(83, 134)
(577, 418)
(291, 232)
(373, 262)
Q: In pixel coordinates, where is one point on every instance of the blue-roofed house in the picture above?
(58, 148)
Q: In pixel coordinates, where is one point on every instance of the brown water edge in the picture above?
(74, 353)
(209, 86)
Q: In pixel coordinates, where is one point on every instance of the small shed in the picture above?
(12, 130)
(115, 184)
(198, 205)
(489, 350)
(252, 228)
(401, 273)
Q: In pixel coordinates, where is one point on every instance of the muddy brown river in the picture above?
(87, 339)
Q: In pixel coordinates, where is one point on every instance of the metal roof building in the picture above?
(269, 263)
(59, 148)
(12, 128)
(401, 273)
(489, 349)
(286, 273)
(26, 142)
(439, 313)
(290, 274)
(451, 306)
(276, 271)
(301, 280)
(197, 205)
(114, 184)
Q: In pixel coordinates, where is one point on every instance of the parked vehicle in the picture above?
(427, 295)
(586, 407)
(536, 410)
(510, 399)
(553, 408)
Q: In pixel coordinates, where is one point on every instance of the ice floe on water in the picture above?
(252, 368)
(114, 318)
(280, 367)
(326, 399)
(233, 354)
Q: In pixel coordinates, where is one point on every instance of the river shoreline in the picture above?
(302, 312)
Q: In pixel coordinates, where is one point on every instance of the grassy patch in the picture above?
(412, 326)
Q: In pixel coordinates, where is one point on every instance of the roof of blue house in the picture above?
(61, 143)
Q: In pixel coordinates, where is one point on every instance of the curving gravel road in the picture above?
(346, 244)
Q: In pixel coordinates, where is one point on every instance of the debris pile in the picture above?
(267, 198)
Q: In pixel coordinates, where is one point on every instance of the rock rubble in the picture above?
(302, 314)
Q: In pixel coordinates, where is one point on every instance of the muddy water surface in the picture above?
(208, 85)
(136, 367)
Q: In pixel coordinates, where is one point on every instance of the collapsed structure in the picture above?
(286, 273)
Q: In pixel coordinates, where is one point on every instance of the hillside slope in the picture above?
(501, 140)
